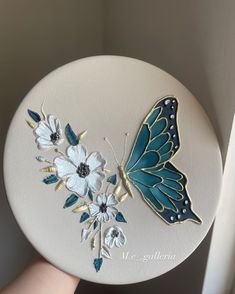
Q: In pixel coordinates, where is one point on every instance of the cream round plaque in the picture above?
(112, 170)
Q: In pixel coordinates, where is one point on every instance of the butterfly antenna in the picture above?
(111, 146)
(124, 150)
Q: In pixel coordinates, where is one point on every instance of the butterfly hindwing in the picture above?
(173, 185)
(160, 183)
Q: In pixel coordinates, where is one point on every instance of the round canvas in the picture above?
(112, 170)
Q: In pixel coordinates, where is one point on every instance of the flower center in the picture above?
(103, 208)
(115, 234)
(83, 170)
(54, 137)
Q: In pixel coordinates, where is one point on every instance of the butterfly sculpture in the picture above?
(149, 169)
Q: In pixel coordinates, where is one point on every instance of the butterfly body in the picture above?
(125, 181)
(149, 170)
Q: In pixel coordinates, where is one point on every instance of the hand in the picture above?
(40, 277)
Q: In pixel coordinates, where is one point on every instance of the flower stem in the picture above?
(91, 223)
(58, 151)
(100, 239)
(106, 191)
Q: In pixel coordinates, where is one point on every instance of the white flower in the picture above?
(48, 133)
(114, 236)
(79, 170)
(104, 210)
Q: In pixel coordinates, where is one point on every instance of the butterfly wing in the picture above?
(160, 183)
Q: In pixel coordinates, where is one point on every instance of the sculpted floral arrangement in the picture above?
(82, 175)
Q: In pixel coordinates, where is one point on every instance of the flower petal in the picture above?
(112, 211)
(43, 130)
(111, 200)
(120, 240)
(95, 161)
(58, 142)
(101, 198)
(58, 126)
(94, 181)
(108, 238)
(77, 184)
(106, 217)
(103, 217)
(108, 231)
(64, 167)
(109, 241)
(77, 154)
(93, 209)
(52, 122)
(44, 143)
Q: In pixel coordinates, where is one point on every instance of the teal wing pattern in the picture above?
(149, 169)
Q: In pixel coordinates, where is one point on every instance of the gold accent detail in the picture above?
(122, 197)
(117, 189)
(60, 185)
(43, 113)
(48, 169)
(107, 170)
(125, 180)
(80, 208)
(90, 221)
(32, 125)
(82, 135)
(93, 243)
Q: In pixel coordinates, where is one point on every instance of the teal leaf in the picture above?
(112, 179)
(70, 135)
(34, 115)
(71, 200)
(95, 225)
(50, 179)
(90, 195)
(84, 217)
(120, 218)
(98, 263)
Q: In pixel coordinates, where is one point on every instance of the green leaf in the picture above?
(34, 115)
(84, 217)
(71, 200)
(120, 218)
(50, 179)
(95, 225)
(70, 135)
(98, 263)
(90, 195)
(112, 179)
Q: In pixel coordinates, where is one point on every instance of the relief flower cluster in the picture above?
(82, 174)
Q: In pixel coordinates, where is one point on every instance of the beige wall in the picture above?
(192, 40)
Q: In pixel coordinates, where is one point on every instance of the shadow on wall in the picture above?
(36, 37)
(192, 40)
